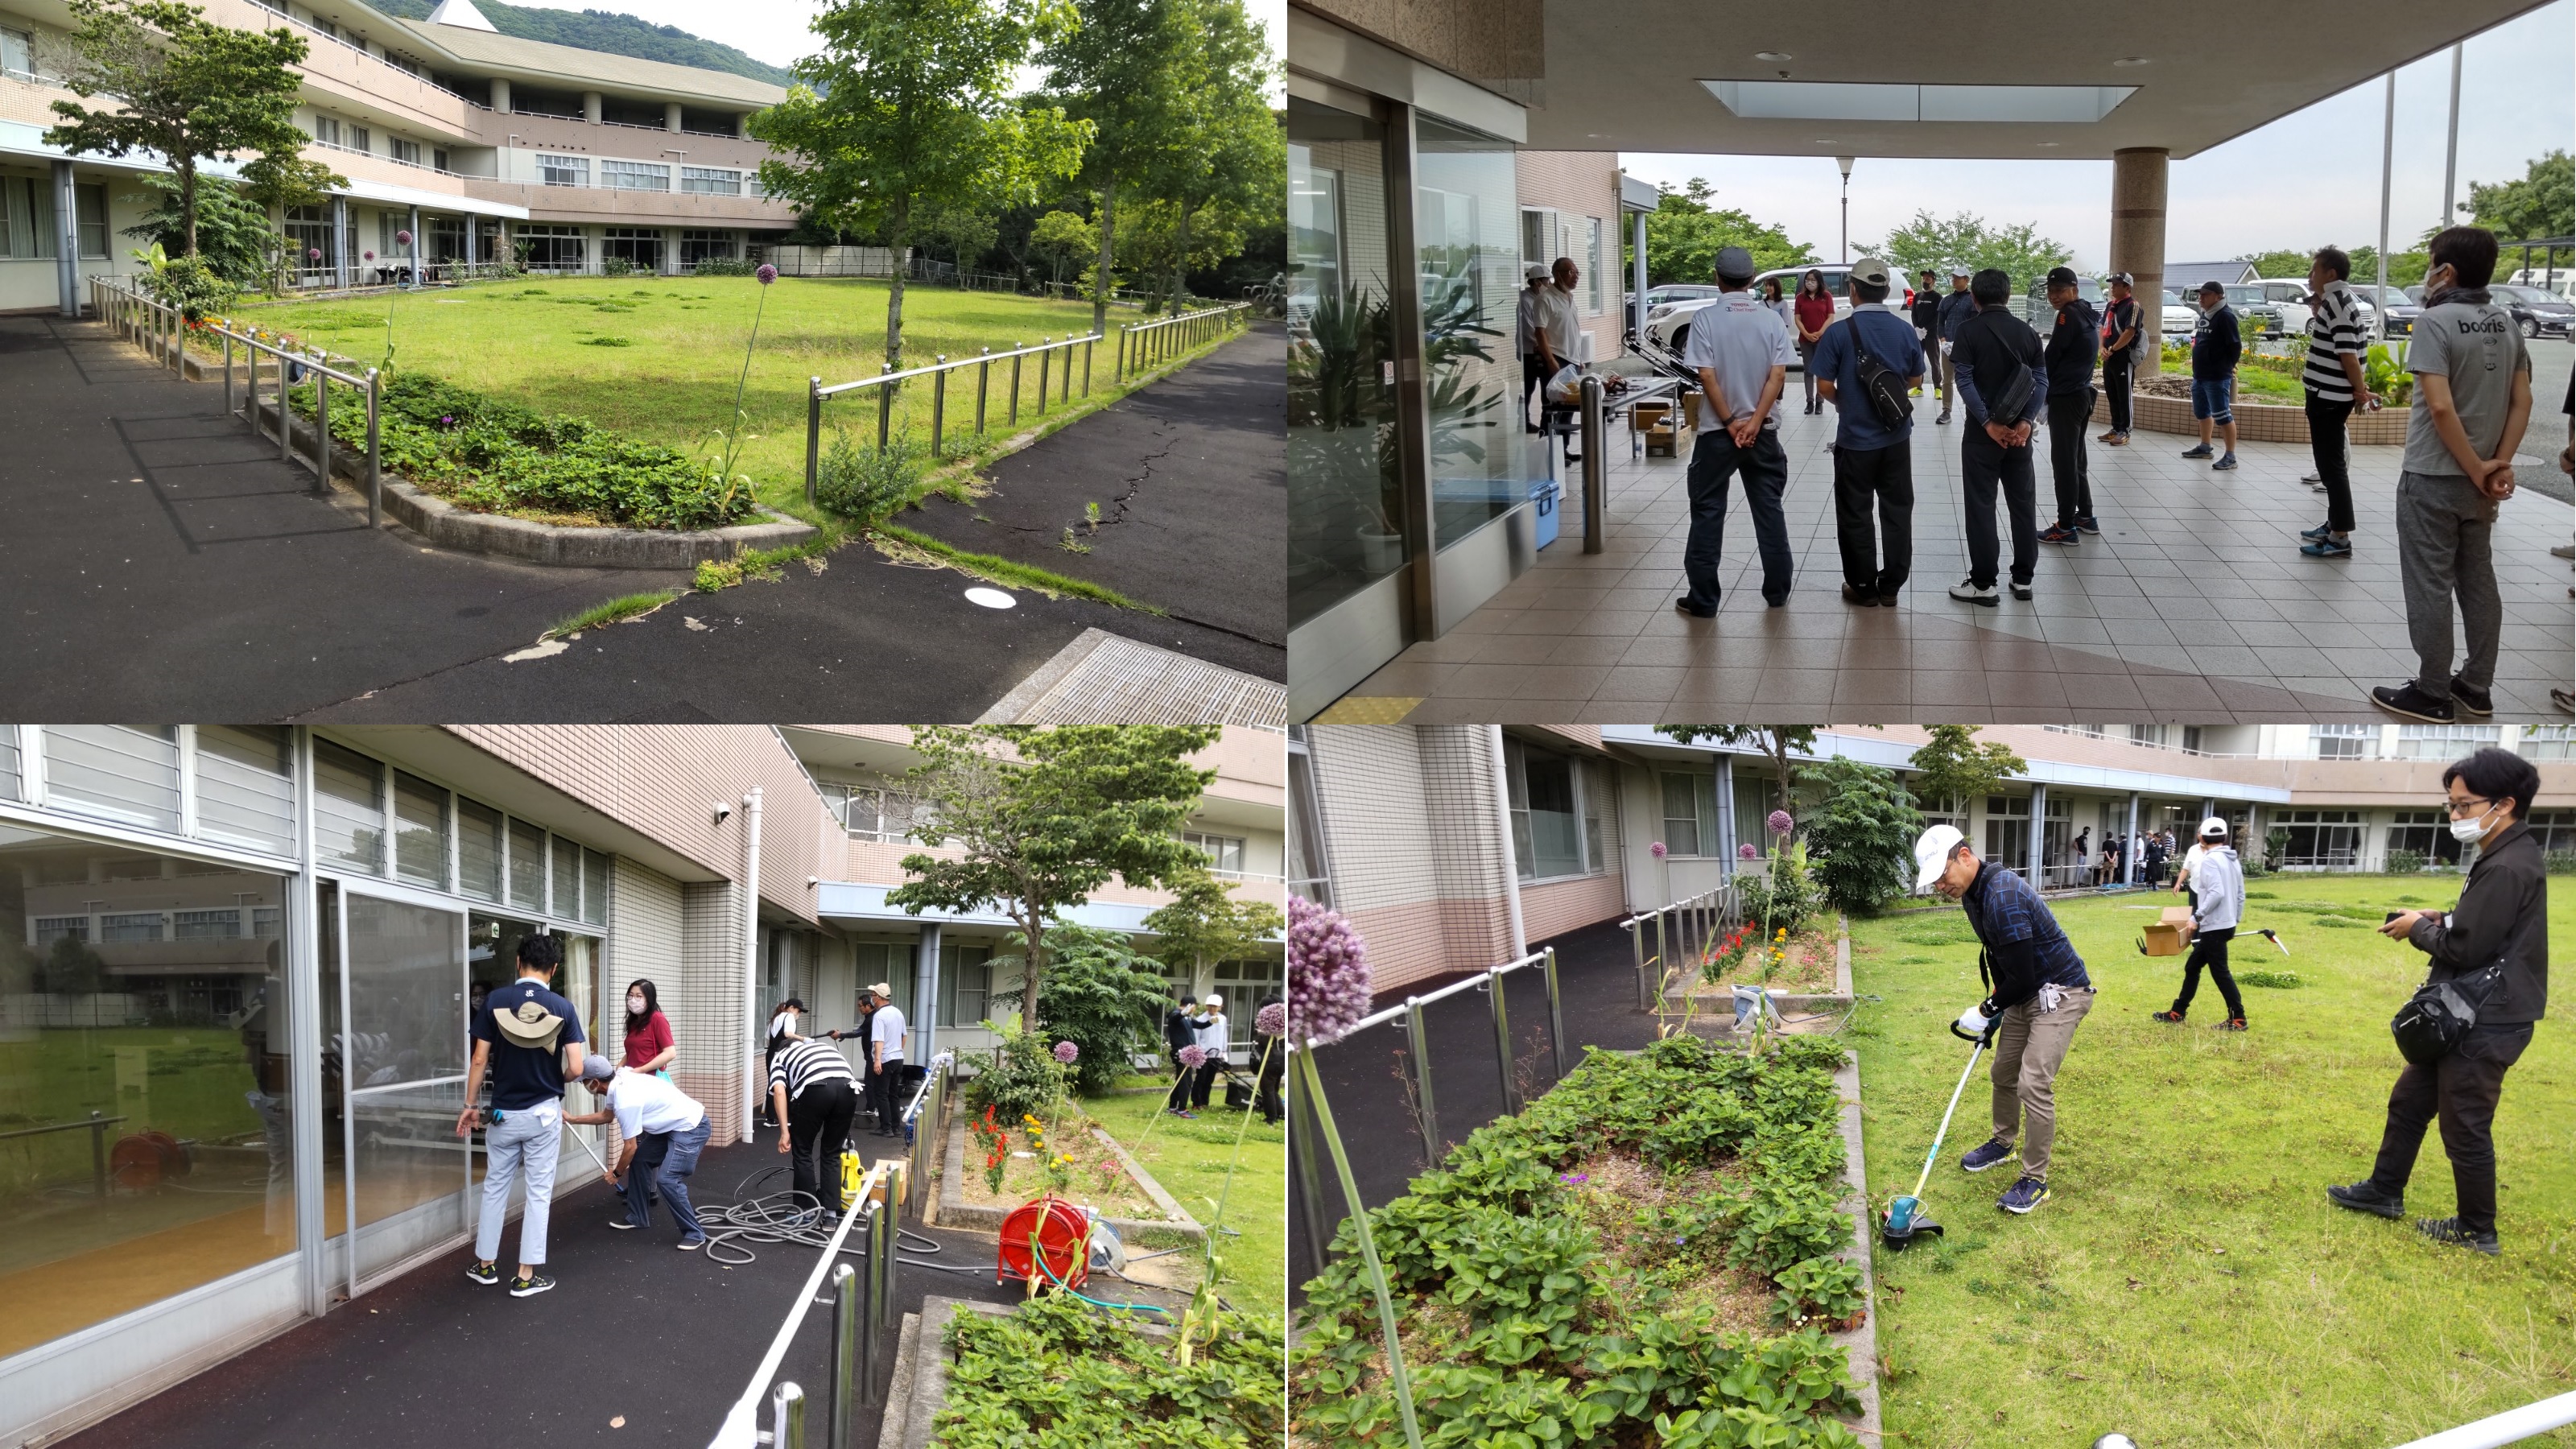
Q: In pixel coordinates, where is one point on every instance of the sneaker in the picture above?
(1865, 598)
(2199, 450)
(2105, 437)
(2086, 523)
(2310, 478)
(2024, 1195)
(623, 1225)
(1945, 416)
(2565, 699)
(2021, 592)
(2175, 1017)
(2328, 547)
(2060, 533)
(2452, 1230)
(531, 1286)
(1683, 605)
(2413, 703)
(2224, 465)
(2364, 1197)
(1968, 591)
(691, 1245)
(2118, 440)
(2471, 701)
(2564, 550)
(1193, 1116)
(1979, 1159)
(2322, 530)
(484, 1272)
(2233, 1023)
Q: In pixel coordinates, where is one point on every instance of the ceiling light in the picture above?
(2131, 60)
(1910, 103)
(1774, 55)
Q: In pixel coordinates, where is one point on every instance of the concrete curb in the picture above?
(1183, 1231)
(1860, 1345)
(2256, 422)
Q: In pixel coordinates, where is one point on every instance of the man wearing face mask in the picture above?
(2503, 916)
(2041, 994)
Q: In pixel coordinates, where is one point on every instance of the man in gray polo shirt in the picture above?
(1739, 351)
(2473, 399)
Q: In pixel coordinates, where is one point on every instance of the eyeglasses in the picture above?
(2470, 806)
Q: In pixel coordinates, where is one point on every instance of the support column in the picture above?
(500, 95)
(66, 239)
(2038, 836)
(473, 237)
(1637, 274)
(670, 251)
(590, 107)
(2138, 235)
(413, 259)
(742, 126)
(925, 993)
(2128, 843)
(340, 241)
(671, 116)
(1412, 400)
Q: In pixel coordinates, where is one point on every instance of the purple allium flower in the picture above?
(403, 237)
(1066, 1052)
(313, 254)
(1658, 849)
(369, 256)
(1193, 1057)
(1271, 1020)
(1779, 822)
(767, 274)
(1328, 975)
(1574, 1177)
(1745, 851)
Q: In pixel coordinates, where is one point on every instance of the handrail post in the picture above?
(1087, 344)
(375, 449)
(228, 374)
(1046, 354)
(1016, 356)
(322, 433)
(787, 1416)
(874, 1274)
(938, 404)
(1502, 1042)
(1596, 488)
(1555, 1015)
(285, 429)
(813, 434)
(885, 404)
(845, 1349)
(1637, 954)
(1663, 953)
(1418, 1039)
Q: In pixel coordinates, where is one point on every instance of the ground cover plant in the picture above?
(2188, 1283)
(1644, 1255)
(656, 359)
(1059, 1375)
(1188, 1157)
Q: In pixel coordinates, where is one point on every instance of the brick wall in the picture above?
(1580, 186)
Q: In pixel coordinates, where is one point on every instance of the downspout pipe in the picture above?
(751, 960)
(1511, 860)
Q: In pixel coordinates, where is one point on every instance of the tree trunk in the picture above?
(1100, 275)
(1180, 263)
(894, 296)
(187, 207)
(1032, 969)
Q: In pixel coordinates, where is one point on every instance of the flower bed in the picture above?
(1058, 1375)
(1009, 1164)
(1645, 1255)
(490, 455)
(1801, 964)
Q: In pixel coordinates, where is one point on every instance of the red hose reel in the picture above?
(1062, 1235)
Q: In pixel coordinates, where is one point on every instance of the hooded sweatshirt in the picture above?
(2219, 882)
(2074, 345)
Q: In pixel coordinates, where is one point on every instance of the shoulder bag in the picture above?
(2432, 1022)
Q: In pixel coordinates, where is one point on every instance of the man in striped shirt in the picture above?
(814, 1095)
(2336, 387)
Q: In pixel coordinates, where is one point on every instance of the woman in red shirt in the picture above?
(1815, 309)
(648, 1032)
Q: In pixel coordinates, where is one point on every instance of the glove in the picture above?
(1977, 1023)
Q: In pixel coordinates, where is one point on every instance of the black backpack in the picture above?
(1882, 384)
(2440, 1013)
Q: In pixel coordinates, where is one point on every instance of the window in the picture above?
(711, 180)
(1224, 852)
(702, 246)
(308, 230)
(2443, 742)
(1595, 273)
(2327, 838)
(527, 866)
(478, 850)
(1690, 815)
(130, 926)
(246, 786)
(348, 808)
(2555, 830)
(640, 247)
(2008, 832)
(17, 53)
(1309, 871)
(567, 879)
(114, 772)
(552, 248)
(406, 151)
(2344, 741)
(1949, 810)
(90, 204)
(11, 785)
(1594, 781)
(267, 922)
(26, 218)
(1542, 241)
(874, 812)
(634, 176)
(43, 931)
(2547, 742)
(594, 887)
(1547, 837)
(2425, 832)
(205, 925)
(968, 972)
(326, 129)
(359, 140)
(1243, 984)
(420, 831)
(438, 157)
(563, 170)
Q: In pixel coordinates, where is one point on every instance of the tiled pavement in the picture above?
(2192, 604)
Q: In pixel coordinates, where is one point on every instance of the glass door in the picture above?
(401, 1049)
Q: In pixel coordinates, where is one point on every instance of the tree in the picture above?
(1042, 818)
(903, 115)
(1966, 242)
(1062, 237)
(234, 237)
(187, 90)
(1860, 839)
(1683, 234)
(1775, 741)
(1207, 923)
(1122, 69)
(2541, 204)
(1102, 996)
(2405, 269)
(1233, 164)
(1953, 766)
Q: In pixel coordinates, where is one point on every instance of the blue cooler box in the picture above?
(1547, 493)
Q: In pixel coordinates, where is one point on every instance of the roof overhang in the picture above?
(1641, 741)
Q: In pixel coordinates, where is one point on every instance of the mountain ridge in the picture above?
(606, 31)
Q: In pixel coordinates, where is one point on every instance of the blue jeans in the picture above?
(666, 1160)
(526, 1139)
(2209, 399)
(1715, 459)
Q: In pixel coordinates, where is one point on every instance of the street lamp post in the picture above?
(1845, 162)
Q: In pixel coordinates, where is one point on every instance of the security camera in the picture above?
(812, 881)
(723, 812)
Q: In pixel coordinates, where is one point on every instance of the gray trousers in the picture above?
(2030, 1045)
(2445, 537)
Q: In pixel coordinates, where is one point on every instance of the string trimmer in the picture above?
(1906, 1219)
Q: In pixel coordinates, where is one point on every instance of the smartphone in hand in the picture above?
(2392, 915)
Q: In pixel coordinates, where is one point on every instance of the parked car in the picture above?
(2258, 315)
(2032, 306)
(2536, 312)
(2402, 306)
(2289, 295)
(1668, 325)
(2180, 317)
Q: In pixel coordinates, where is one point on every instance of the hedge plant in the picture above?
(1546, 1313)
(1058, 1375)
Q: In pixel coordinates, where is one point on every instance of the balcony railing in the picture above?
(281, 13)
(387, 157)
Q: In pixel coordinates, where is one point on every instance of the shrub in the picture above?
(1023, 1079)
(1862, 840)
(868, 485)
(1058, 1374)
(1825, 1289)
(193, 287)
(2405, 862)
(723, 267)
(1781, 893)
(2561, 862)
(616, 267)
(1100, 995)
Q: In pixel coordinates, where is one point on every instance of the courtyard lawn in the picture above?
(1188, 1158)
(2188, 1283)
(657, 357)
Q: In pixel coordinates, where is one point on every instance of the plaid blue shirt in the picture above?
(2014, 925)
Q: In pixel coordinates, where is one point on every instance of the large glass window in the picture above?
(143, 1083)
(478, 850)
(2344, 741)
(1465, 204)
(1690, 815)
(2547, 742)
(246, 786)
(1547, 839)
(567, 879)
(2008, 832)
(1345, 507)
(2443, 742)
(1224, 852)
(1309, 869)
(634, 176)
(594, 887)
(563, 170)
(12, 779)
(348, 809)
(710, 181)
(638, 247)
(2325, 838)
(115, 772)
(420, 831)
(2555, 830)
(527, 866)
(2425, 832)
(967, 974)
(402, 1053)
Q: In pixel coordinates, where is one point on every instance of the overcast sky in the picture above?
(2304, 181)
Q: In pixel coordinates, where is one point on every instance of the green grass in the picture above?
(1001, 570)
(2188, 1283)
(1189, 1159)
(657, 357)
(626, 606)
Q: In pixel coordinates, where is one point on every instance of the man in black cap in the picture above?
(2070, 357)
(1739, 351)
(1998, 361)
(2123, 328)
(1927, 327)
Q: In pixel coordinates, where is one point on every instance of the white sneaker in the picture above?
(1967, 592)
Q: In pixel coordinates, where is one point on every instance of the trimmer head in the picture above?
(1906, 1221)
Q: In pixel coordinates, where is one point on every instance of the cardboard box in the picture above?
(1663, 442)
(1645, 417)
(2171, 933)
(1691, 404)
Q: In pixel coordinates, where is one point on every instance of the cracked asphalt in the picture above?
(162, 564)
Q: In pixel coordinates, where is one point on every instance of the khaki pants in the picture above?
(2029, 1046)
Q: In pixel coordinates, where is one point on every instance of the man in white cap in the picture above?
(2040, 995)
(886, 1039)
(1211, 1031)
(2217, 904)
(1528, 340)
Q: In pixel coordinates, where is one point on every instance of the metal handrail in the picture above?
(2509, 1427)
(927, 1117)
(816, 392)
(863, 1320)
(1157, 342)
(1685, 925)
(162, 330)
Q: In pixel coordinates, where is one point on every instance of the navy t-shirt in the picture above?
(1892, 342)
(525, 1076)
